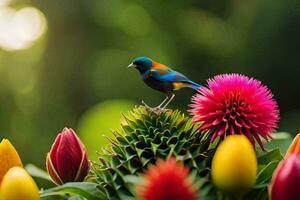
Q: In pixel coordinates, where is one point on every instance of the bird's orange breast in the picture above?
(156, 65)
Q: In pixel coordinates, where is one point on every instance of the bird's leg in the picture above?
(170, 99)
(148, 107)
(162, 103)
(157, 107)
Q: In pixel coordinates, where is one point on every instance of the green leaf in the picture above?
(281, 136)
(266, 172)
(37, 172)
(260, 186)
(55, 197)
(280, 140)
(268, 157)
(84, 189)
(132, 179)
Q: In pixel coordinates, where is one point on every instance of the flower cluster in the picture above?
(167, 155)
(66, 162)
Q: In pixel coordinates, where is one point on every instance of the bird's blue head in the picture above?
(142, 64)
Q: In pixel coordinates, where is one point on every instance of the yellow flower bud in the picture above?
(8, 157)
(234, 164)
(18, 184)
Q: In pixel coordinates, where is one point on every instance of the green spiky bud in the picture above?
(145, 137)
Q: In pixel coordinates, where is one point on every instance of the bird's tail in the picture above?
(193, 85)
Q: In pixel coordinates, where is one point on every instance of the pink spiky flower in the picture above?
(235, 104)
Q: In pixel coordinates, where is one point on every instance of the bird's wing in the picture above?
(177, 79)
(168, 75)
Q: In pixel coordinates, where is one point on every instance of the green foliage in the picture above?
(281, 140)
(37, 172)
(144, 138)
(76, 190)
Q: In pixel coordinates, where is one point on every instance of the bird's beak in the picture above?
(131, 65)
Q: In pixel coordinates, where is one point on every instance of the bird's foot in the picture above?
(149, 108)
(157, 110)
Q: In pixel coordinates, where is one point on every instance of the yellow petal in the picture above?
(8, 157)
(234, 164)
(17, 185)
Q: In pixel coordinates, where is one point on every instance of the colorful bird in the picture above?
(161, 78)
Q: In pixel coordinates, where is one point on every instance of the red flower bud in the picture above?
(67, 160)
(286, 179)
(167, 180)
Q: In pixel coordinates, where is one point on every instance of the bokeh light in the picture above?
(19, 29)
(4, 2)
(96, 124)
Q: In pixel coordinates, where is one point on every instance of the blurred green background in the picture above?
(64, 63)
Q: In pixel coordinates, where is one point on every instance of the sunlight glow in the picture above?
(19, 29)
(4, 2)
